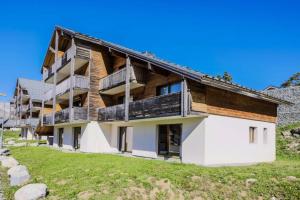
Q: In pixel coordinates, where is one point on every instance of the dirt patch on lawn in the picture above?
(160, 189)
(85, 195)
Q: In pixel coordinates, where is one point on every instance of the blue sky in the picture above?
(257, 42)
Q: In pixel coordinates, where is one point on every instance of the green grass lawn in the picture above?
(103, 176)
(11, 135)
(100, 176)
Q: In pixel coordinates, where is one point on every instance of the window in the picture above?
(169, 139)
(252, 135)
(265, 136)
(169, 89)
(60, 137)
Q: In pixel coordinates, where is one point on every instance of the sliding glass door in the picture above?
(169, 139)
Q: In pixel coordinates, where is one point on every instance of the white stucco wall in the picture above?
(227, 141)
(145, 137)
(67, 137)
(144, 140)
(96, 138)
(212, 140)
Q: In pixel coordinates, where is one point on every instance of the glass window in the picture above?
(168, 89)
(265, 136)
(252, 135)
(164, 90)
(176, 87)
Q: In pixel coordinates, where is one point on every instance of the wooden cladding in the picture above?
(159, 106)
(78, 113)
(221, 102)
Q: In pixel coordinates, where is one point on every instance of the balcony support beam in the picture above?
(42, 112)
(71, 94)
(54, 79)
(184, 98)
(127, 88)
(30, 108)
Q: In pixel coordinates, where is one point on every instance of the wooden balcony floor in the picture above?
(121, 88)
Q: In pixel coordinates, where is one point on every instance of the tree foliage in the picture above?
(294, 80)
(226, 76)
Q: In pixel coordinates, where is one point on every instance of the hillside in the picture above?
(287, 143)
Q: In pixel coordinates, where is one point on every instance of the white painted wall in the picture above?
(227, 141)
(144, 140)
(214, 140)
(193, 137)
(145, 136)
(96, 138)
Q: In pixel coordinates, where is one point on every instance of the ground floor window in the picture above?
(60, 137)
(169, 139)
(77, 137)
(252, 135)
(265, 136)
(125, 139)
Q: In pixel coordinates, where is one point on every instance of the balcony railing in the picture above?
(47, 119)
(62, 61)
(118, 78)
(159, 106)
(32, 122)
(49, 72)
(78, 82)
(78, 113)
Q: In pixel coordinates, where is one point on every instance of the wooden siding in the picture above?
(99, 69)
(220, 102)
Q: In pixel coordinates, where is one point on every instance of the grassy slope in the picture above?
(99, 176)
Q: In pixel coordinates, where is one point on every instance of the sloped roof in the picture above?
(36, 89)
(175, 68)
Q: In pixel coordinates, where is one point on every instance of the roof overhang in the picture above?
(179, 70)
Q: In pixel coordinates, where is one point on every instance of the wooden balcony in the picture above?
(80, 85)
(115, 82)
(159, 106)
(49, 72)
(33, 122)
(63, 64)
(79, 114)
(47, 120)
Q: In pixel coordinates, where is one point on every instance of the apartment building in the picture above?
(108, 98)
(10, 122)
(28, 98)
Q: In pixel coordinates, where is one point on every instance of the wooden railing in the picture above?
(119, 78)
(62, 61)
(48, 95)
(159, 106)
(32, 122)
(49, 72)
(47, 119)
(79, 113)
(78, 82)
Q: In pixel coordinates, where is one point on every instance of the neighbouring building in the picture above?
(108, 98)
(286, 113)
(28, 98)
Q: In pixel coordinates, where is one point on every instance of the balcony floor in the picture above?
(64, 71)
(121, 88)
(65, 96)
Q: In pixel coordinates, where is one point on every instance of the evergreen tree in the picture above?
(294, 80)
(226, 76)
